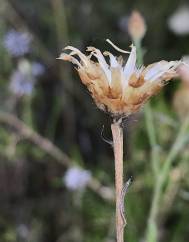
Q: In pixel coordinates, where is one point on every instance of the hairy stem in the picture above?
(117, 133)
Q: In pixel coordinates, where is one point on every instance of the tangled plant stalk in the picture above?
(120, 89)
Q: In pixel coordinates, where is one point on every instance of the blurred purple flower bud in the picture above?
(76, 178)
(17, 43)
(38, 69)
(21, 83)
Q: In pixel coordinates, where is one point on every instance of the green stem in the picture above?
(137, 43)
(176, 148)
(66, 106)
(179, 143)
(27, 111)
(161, 174)
(149, 117)
(151, 227)
(152, 138)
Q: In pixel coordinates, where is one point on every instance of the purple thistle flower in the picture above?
(76, 178)
(17, 43)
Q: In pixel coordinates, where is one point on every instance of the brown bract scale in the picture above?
(118, 88)
(181, 97)
(181, 102)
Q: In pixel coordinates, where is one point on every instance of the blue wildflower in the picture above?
(17, 43)
(22, 81)
(76, 178)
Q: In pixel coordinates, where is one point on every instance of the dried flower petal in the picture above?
(117, 88)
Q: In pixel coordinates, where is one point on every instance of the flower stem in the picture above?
(152, 138)
(117, 133)
(163, 173)
(27, 111)
(137, 43)
(149, 118)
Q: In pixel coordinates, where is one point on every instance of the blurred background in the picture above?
(56, 159)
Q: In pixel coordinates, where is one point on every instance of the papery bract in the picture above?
(118, 88)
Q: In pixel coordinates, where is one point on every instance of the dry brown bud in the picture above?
(183, 71)
(181, 97)
(136, 26)
(181, 102)
(117, 88)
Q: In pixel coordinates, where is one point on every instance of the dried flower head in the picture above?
(136, 26)
(118, 88)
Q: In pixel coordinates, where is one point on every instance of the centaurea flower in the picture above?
(119, 88)
(76, 178)
(17, 43)
(22, 81)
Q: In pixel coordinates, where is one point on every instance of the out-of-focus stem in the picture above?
(61, 30)
(27, 111)
(162, 176)
(149, 117)
(117, 133)
(180, 141)
(137, 43)
(25, 132)
(60, 21)
(152, 138)
(62, 36)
